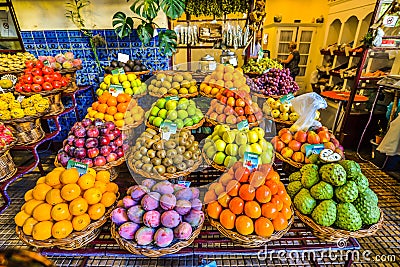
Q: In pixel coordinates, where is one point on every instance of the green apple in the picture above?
(252, 136)
(270, 148)
(219, 158)
(191, 102)
(167, 120)
(196, 119)
(191, 110)
(157, 121)
(265, 158)
(228, 137)
(188, 122)
(259, 131)
(182, 114)
(182, 106)
(151, 119)
(154, 111)
(179, 123)
(161, 103)
(221, 130)
(171, 104)
(216, 129)
(207, 144)
(263, 143)
(229, 161)
(210, 152)
(256, 148)
(131, 77)
(241, 138)
(199, 113)
(138, 82)
(172, 114)
(244, 148)
(232, 149)
(162, 113)
(220, 145)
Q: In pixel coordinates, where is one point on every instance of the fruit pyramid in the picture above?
(249, 202)
(131, 84)
(62, 202)
(173, 83)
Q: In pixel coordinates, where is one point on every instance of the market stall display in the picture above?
(122, 83)
(173, 83)
(135, 66)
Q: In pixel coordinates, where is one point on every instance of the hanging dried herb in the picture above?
(216, 8)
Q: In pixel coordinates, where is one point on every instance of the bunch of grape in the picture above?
(259, 67)
(275, 82)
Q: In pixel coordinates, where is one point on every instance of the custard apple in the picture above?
(309, 177)
(293, 188)
(333, 173)
(347, 217)
(304, 202)
(368, 196)
(369, 211)
(325, 213)
(322, 191)
(347, 192)
(362, 182)
(351, 167)
(296, 176)
(3, 105)
(308, 166)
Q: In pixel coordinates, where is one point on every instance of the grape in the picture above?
(274, 82)
(259, 67)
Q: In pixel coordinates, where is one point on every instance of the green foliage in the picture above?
(167, 41)
(122, 24)
(73, 9)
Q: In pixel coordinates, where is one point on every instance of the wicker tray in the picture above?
(265, 96)
(212, 163)
(70, 70)
(71, 88)
(150, 251)
(130, 126)
(7, 166)
(75, 240)
(206, 95)
(44, 93)
(214, 123)
(334, 235)
(26, 118)
(183, 95)
(249, 241)
(24, 258)
(155, 95)
(8, 147)
(139, 95)
(277, 120)
(289, 161)
(195, 126)
(28, 132)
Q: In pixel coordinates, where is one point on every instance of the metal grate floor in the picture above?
(380, 250)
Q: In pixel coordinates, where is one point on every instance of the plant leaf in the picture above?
(122, 24)
(145, 32)
(167, 43)
(173, 8)
(147, 9)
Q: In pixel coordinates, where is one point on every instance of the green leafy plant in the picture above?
(146, 11)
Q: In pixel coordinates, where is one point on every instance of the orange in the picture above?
(29, 223)
(20, 218)
(224, 199)
(96, 211)
(112, 101)
(95, 105)
(214, 209)
(108, 199)
(112, 187)
(30, 205)
(78, 206)
(286, 199)
(28, 195)
(263, 194)
(92, 195)
(61, 229)
(273, 176)
(53, 197)
(281, 188)
(39, 191)
(247, 192)
(122, 98)
(272, 186)
(244, 225)
(263, 227)
(256, 179)
(42, 230)
(53, 178)
(86, 181)
(91, 171)
(122, 107)
(119, 116)
(269, 210)
(103, 176)
(102, 108)
(278, 202)
(286, 212)
(111, 110)
(60, 212)
(102, 186)
(210, 196)
(252, 209)
(232, 188)
(70, 191)
(69, 176)
(80, 222)
(42, 212)
(227, 219)
(280, 222)
(41, 180)
(236, 205)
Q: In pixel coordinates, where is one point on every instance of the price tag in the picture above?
(233, 88)
(123, 57)
(243, 125)
(314, 149)
(185, 184)
(212, 65)
(211, 264)
(20, 98)
(250, 160)
(117, 71)
(81, 167)
(260, 55)
(286, 98)
(116, 89)
(173, 97)
(233, 61)
(46, 63)
(167, 128)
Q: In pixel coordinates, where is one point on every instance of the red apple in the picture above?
(105, 151)
(80, 153)
(80, 131)
(113, 146)
(93, 152)
(287, 152)
(322, 128)
(239, 111)
(313, 138)
(87, 161)
(91, 142)
(104, 140)
(324, 136)
(251, 118)
(300, 136)
(87, 122)
(330, 145)
(279, 145)
(111, 157)
(298, 156)
(240, 103)
(120, 152)
(286, 137)
(110, 125)
(248, 110)
(119, 142)
(282, 131)
(295, 145)
(223, 99)
(79, 142)
(335, 142)
(99, 161)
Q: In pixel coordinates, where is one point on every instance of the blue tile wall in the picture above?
(59, 41)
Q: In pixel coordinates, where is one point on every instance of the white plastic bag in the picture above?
(390, 144)
(306, 106)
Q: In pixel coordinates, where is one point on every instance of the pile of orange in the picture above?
(63, 202)
(249, 202)
(121, 109)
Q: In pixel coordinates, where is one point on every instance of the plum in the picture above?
(195, 192)
(119, 216)
(144, 235)
(183, 231)
(168, 201)
(170, 219)
(151, 201)
(194, 217)
(128, 230)
(135, 214)
(163, 187)
(152, 218)
(149, 183)
(184, 194)
(163, 237)
(128, 202)
(137, 192)
(183, 207)
(196, 204)
(178, 187)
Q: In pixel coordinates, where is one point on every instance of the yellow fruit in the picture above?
(53, 178)
(42, 230)
(59, 169)
(103, 176)
(92, 195)
(102, 186)
(39, 191)
(119, 123)
(61, 229)
(23, 206)
(96, 211)
(28, 226)
(112, 187)
(41, 180)
(91, 171)
(108, 117)
(80, 222)
(31, 205)
(69, 176)
(28, 195)
(53, 197)
(70, 192)
(108, 199)
(99, 115)
(60, 212)
(42, 212)
(20, 218)
(119, 116)
(86, 181)
(78, 206)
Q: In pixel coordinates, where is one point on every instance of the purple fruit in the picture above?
(184, 194)
(168, 201)
(144, 235)
(194, 218)
(183, 231)
(128, 202)
(128, 230)
(149, 183)
(151, 201)
(183, 207)
(195, 192)
(152, 218)
(163, 237)
(135, 214)
(170, 219)
(119, 216)
(196, 204)
(178, 187)
(137, 192)
(163, 188)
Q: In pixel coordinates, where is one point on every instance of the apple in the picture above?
(231, 119)
(104, 140)
(70, 139)
(220, 145)
(80, 131)
(256, 148)
(91, 142)
(270, 101)
(330, 145)
(279, 145)
(111, 136)
(112, 146)
(275, 105)
(286, 137)
(298, 156)
(80, 153)
(71, 151)
(265, 145)
(324, 136)
(219, 158)
(239, 111)
(92, 131)
(229, 161)
(98, 123)
(240, 103)
(260, 132)
(88, 162)
(252, 136)
(248, 110)
(294, 116)
(322, 128)
(303, 147)
(284, 116)
(228, 110)
(87, 122)
(282, 131)
(116, 132)
(120, 152)
(210, 152)
(93, 152)
(119, 142)
(63, 158)
(335, 142)
(313, 138)
(111, 157)
(287, 152)
(99, 161)
(110, 125)
(222, 129)
(221, 118)
(300, 136)
(232, 149)
(241, 138)
(266, 158)
(244, 148)
(230, 101)
(295, 145)
(79, 142)
(214, 116)
(284, 108)
(229, 136)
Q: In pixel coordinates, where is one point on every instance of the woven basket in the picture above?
(183, 95)
(232, 126)
(212, 163)
(334, 235)
(139, 95)
(56, 106)
(28, 132)
(130, 126)
(70, 70)
(71, 88)
(265, 96)
(11, 257)
(155, 95)
(7, 166)
(195, 126)
(151, 251)
(44, 93)
(206, 95)
(249, 241)
(277, 120)
(75, 240)
(289, 161)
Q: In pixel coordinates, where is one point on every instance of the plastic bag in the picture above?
(306, 106)
(390, 144)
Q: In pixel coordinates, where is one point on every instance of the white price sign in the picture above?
(390, 20)
(123, 57)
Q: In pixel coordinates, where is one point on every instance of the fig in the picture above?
(196, 204)
(168, 201)
(170, 219)
(119, 216)
(128, 202)
(152, 218)
(128, 230)
(183, 207)
(151, 201)
(144, 235)
(195, 192)
(137, 192)
(184, 194)
(163, 237)
(149, 183)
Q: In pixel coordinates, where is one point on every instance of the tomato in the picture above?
(57, 76)
(27, 87)
(39, 64)
(27, 78)
(47, 70)
(38, 79)
(36, 87)
(57, 84)
(47, 86)
(36, 72)
(64, 82)
(48, 78)
(29, 64)
(18, 87)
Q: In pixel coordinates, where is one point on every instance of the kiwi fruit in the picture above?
(171, 169)
(189, 163)
(156, 161)
(143, 150)
(160, 169)
(149, 143)
(147, 167)
(195, 157)
(170, 144)
(158, 145)
(188, 155)
(138, 164)
(151, 131)
(177, 159)
(156, 138)
(137, 155)
(180, 150)
(147, 135)
(167, 162)
(171, 153)
(181, 166)
(161, 154)
(151, 153)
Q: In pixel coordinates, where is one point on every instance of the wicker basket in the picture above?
(130, 126)
(155, 95)
(213, 164)
(139, 95)
(277, 120)
(7, 166)
(28, 132)
(56, 106)
(70, 70)
(206, 95)
(44, 93)
(71, 88)
(330, 234)
(14, 257)
(249, 241)
(265, 96)
(150, 251)
(232, 126)
(295, 164)
(195, 126)
(184, 95)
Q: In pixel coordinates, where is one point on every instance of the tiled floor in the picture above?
(385, 245)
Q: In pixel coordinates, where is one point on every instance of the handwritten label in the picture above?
(123, 57)
(314, 149)
(173, 97)
(233, 61)
(116, 89)
(250, 160)
(233, 88)
(81, 167)
(167, 128)
(243, 125)
(46, 63)
(117, 71)
(185, 184)
(286, 98)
